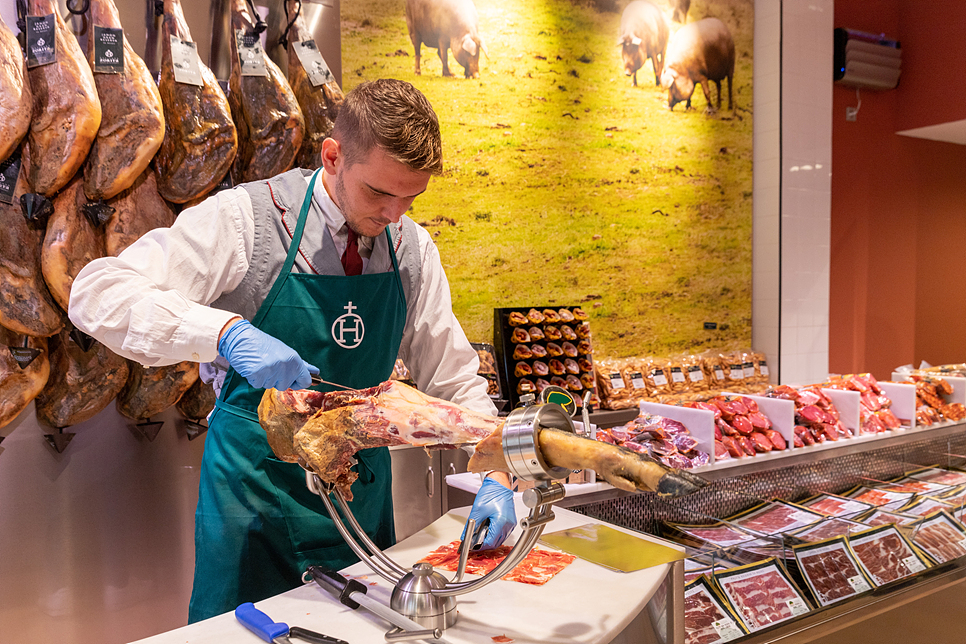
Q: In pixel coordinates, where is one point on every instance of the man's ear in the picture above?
(331, 155)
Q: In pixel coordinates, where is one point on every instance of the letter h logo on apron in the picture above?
(348, 329)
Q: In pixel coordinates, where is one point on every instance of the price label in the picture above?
(737, 372)
(658, 377)
(616, 382)
(859, 584)
(9, 171)
(913, 564)
(677, 375)
(637, 380)
(763, 368)
(726, 629)
(250, 54)
(108, 50)
(187, 65)
(24, 355)
(748, 368)
(41, 38)
(719, 373)
(312, 62)
(695, 374)
(797, 606)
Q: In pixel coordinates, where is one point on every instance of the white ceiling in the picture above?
(952, 132)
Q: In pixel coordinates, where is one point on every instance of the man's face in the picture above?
(376, 192)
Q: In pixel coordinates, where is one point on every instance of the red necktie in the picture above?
(351, 261)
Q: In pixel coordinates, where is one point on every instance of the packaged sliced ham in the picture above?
(716, 534)
(885, 555)
(835, 506)
(936, 475)
(827, 529)
(878, 496)
(775, 517)
(921, 507)
(915, 485)
(831, 571)
(941, 536)
(954, 496)
(708, 619)
(761, 594)
(879, 517)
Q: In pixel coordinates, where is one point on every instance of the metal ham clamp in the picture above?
(422, 596)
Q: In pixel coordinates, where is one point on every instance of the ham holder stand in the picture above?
(422, 595)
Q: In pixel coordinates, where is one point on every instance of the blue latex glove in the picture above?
(493, 503)
(262, 360)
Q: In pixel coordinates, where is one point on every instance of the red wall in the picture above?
(898, 279)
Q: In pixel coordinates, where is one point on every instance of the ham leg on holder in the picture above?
(323, 431)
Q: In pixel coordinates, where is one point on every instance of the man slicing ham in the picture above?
(271, 282)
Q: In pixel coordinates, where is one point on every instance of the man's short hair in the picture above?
(394, 116)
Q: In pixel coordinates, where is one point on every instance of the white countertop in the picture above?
(584, 603)
(471, 482)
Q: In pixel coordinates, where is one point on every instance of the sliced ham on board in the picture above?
(198, 401)
(66, 111)
(26, 305)
(132, 122)
(200, 140)
(15, 96)
(151, 390)
(264, 108)
(319, 103)
(81, 383)
(71, 242)
(24, 369)
(137, 210)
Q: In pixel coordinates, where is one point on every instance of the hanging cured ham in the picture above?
(151, 390)
(24, 369)
(198, 401)
(15, 97)
(132, 123)
(200, 141)
(66, 111)
(320, 104)
(81, 383)
(71, 242)
(137, 210)
(269, 121)
(26, 305)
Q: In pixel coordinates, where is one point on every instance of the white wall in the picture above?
(792, 202)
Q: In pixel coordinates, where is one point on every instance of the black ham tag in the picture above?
(9, 171)
(108, 50)
(36, 208)
(84, 341)
(24, 355)
(187, 65)
(250, 54)
(40, 40)
(313, 63)
(98, 212)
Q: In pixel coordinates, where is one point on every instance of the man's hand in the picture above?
(493, 503)
(262, 360)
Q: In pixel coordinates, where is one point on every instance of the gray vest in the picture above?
(276, 204)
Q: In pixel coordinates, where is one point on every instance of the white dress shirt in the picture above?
(150, 304)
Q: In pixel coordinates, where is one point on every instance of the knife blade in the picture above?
(316, 380)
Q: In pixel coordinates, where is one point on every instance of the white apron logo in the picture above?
(348, 329)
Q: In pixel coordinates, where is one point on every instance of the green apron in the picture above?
(257, 526)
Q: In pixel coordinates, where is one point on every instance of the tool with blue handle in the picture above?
(277, 632)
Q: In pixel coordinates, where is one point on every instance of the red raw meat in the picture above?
(733, 447)
(747, 445)
(759, 420)
(717, 433)
(743, 425)
(777, 440)
(762, 444)
(726, 428)
(720, 451)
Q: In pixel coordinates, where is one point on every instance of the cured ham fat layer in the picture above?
(323, 431)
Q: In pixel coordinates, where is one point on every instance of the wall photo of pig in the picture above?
(565, 182)
(448, 26)
(700, 52)
(644, 34)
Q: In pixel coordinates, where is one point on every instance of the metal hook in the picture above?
(82, 10)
